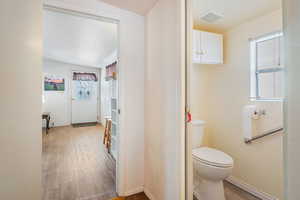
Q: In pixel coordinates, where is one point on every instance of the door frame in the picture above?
(188, 64)
(120, 160)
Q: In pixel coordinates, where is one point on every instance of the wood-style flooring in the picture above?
(234, 193)
(140, 196)
(76, 166)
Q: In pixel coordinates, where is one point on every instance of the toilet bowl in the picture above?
(211, 167)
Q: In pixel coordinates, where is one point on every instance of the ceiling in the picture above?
(138, 6)
(234, 12)
(78, 40)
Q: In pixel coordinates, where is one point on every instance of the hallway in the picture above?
(75, 165)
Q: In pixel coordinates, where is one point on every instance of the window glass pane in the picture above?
(267, 61)
(281, 52)
(266, 85)
(268, 53)
(279, 84)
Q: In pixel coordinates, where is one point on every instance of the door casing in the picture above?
(120, 161)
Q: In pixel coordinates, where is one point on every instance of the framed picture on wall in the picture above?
(54, 82)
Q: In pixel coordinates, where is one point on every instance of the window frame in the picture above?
(255, 72)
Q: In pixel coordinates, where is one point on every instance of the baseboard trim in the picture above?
(249, 188)
(134, 191)
(149, 194)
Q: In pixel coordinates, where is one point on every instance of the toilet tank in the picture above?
(197, 131)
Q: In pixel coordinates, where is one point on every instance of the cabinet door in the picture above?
(212, 48)
(196, 46)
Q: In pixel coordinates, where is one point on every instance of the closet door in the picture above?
(196, 46)
(211, 48)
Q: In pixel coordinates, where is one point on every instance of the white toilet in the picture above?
(211, 167)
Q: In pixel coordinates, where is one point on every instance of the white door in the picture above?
(212, 48)
(20, 99)
(84, 97)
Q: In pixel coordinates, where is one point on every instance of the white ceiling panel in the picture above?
(234, 12)
(78, 40)
(138, 6)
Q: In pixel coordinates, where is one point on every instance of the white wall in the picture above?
(164, 118)
(110, 59)
(59, 103)
(130, 165)
(227, 91)
(20, 101)
(199, 77)
(292, 108)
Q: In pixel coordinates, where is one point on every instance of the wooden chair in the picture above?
(107, 133)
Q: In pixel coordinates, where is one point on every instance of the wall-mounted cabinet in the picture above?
(207, 47)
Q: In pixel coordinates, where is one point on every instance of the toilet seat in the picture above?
(212, 157)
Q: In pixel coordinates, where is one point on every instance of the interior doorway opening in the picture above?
(234, 99)
(81, 102)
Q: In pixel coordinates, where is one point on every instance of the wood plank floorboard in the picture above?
(234, 193)
(140, 196)
(76, 166)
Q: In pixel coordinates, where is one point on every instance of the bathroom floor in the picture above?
(234, 193)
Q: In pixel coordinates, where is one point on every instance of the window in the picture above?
(267, 68)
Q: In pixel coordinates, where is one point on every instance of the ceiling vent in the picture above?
(211, 17)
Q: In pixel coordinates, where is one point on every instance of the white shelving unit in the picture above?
(114, 118)
(111, 106)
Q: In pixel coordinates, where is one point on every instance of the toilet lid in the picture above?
(213, 157)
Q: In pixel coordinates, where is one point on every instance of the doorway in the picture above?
(235, 96)
(80, 60)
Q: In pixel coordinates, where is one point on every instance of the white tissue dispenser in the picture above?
(249, 113)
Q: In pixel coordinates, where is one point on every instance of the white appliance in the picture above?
(211, 167)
